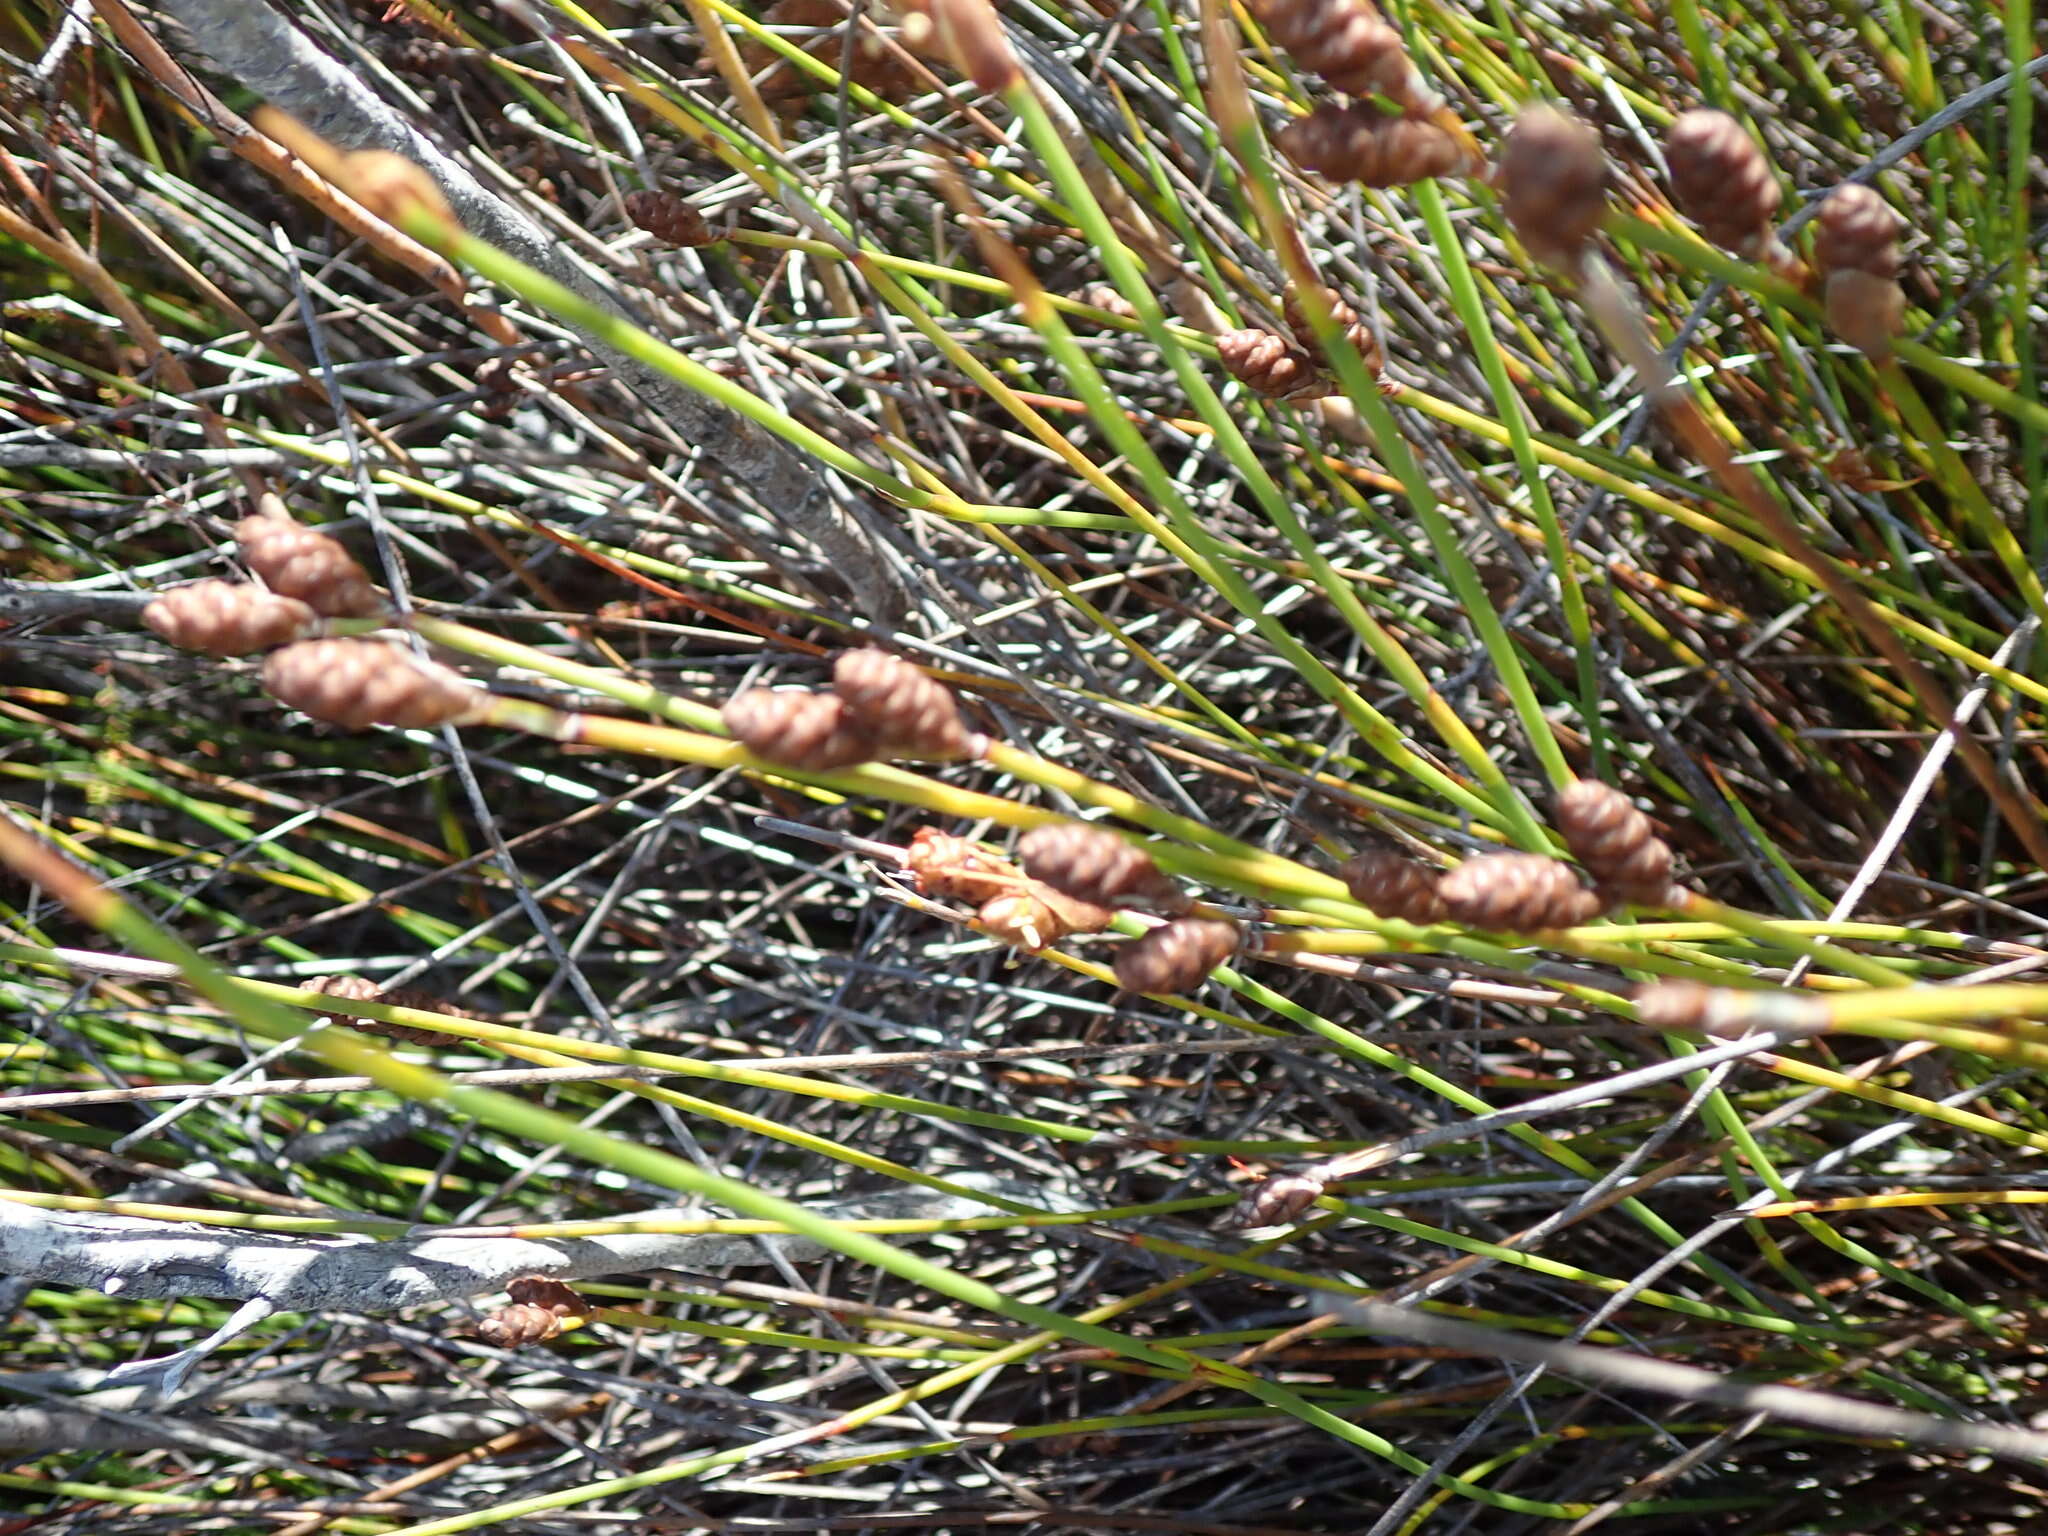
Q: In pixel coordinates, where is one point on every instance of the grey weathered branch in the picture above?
(261, 49)
(269, 1273)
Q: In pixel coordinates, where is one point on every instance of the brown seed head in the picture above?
(1176, 956)
(360, 989)
(227, 618)
(551, 1295)
(801, 730)
(1362, 144)
(667, 217)
(1620, 849)
(519, 1324)
(1268, 364)
(908, 713)
(1865, 310)
(1096, 865)
(1553, 181)
(948, 866)
(1856, 230)
(1350, 46)
(1721, 180)
(1393, 885)
(1343, 316)
(360, 683)
(1517, 893)
(1690, 1007)
(301, 562)
(1272, 1202)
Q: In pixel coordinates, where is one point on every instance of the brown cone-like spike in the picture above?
(1267, 363)
(552, 1295)
(1553, 181)
(802, 730)
(301, 562)
(1038, 915)
(1273, 1201)
(1176, 956)
(1686, 1005)
(908, 713)
(1620, 849)
(1355, 330)
(1360, 143)
(360, 683)
(227, 618)
(1393, 885)
(946, 865)
(519, 1324)
(668, 218)
(360, 989)
(1856, 230)
(1350, 46)
(1096, 865)
(1865, 310)
(1721, 180)
(1517, 893)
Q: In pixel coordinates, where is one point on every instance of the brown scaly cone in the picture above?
(1517, 893)
(1038, 915)
(539, 1307)
(1856, 230)
(1721, 179)
(1394, 885)
(1343, 316)
(1865, 310)
(1619, 848)
(1270, 365)
(360, 989)
(1363, 144)
(1272, 1202)
(1553, 181)
(798, 729)
(1175, 956)
(957, 868)
(1351, 47)
(667, 218)
(296, 561)
(1095, 865)
(227, 618)
(908, 713)
(360, 683)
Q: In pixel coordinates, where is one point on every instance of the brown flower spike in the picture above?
(360, 989)
(908, 713)
(1350, 46)
(1553, 181)
(1038, 915)
(1721, 180)
(798, 729)
(539, 1307)
(1272, 1201)
(1096, 865)
(667, 217)
(1268, 364)
(946, 865)
(227, 618)
(360, 683)
(1517, 893)
(1620, 849)
(301, 562)
(1343, 316)
(1856, 247)
(1362, 144)
(1393, 885)
(1175, 956)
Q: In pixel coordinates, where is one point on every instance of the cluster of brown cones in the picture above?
(1282, 369)
(879, 706)
(1094, 865)
(539, 1309)
(307, 576)
(1357, 53)
(1615, 846)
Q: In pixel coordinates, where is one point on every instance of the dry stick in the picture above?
(264, 51)
(1619, 1369)
(1618, 317)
